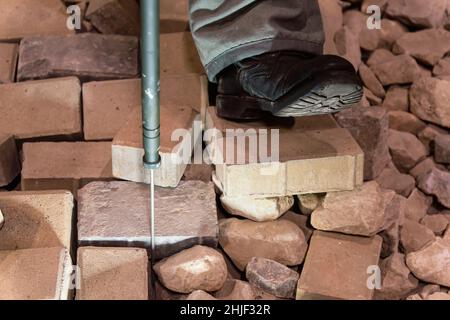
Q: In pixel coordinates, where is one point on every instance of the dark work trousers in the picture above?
(227, 31)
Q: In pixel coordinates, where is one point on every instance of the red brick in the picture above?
(37, 109)
(65, 165)
(22, 18)
(108, 104)
(35, 274)
(41, 219)
(179, 54)
(112, 274)
(88, 56)
(8, 62)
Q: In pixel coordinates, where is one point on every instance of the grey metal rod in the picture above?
(150, 64)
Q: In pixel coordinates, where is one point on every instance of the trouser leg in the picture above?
(227, 31)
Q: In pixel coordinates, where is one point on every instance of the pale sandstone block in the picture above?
(128, 151)
(316, 156)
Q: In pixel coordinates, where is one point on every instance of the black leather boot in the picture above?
(287, 84)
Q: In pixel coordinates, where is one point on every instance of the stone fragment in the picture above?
(38, 109)
(391, 178)
(301, 221)
(436, 222)
(400, 69)
(279, 240)
(370, 81)
(198, 172)
(272, 277)
(422, 167)
(369, 126)
(9, 160)
(379, 56)
(118, 214)
(417, 13)
(114, 16)
(414, 236)
(442, 68)
(437, 183)
(432, 263)
(429, 98)
(406, 150)
(397, 99)
(88, 56)
(427, 46)
(197, 268)
(236, 290)
(417, 205)
(429, 134)
(200, 295)
(397, 280)
(336, 267)
(406, 122)
(112, 274)
(359, 212)
(24, 18)
(74, 164)
(41, 219)
(257, 209)
(442, 148)
(309, 202)
(347, 46)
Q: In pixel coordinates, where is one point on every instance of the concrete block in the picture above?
(23, 18)
(113, 274)
(9, 160)
(37, 109)
(35, 274)
(117, 214)
(315, 156)
(336, 267)
(41, 219)
(65, 165)
(128, 151)
(88, 56)
(107, 104)
(9, 53)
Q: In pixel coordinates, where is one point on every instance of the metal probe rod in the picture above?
(150, 64)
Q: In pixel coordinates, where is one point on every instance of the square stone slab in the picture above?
(118, 214)
(337, 265)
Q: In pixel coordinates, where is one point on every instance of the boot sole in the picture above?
(325, 93)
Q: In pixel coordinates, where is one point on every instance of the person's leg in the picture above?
(266, 56)
(228, 31)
